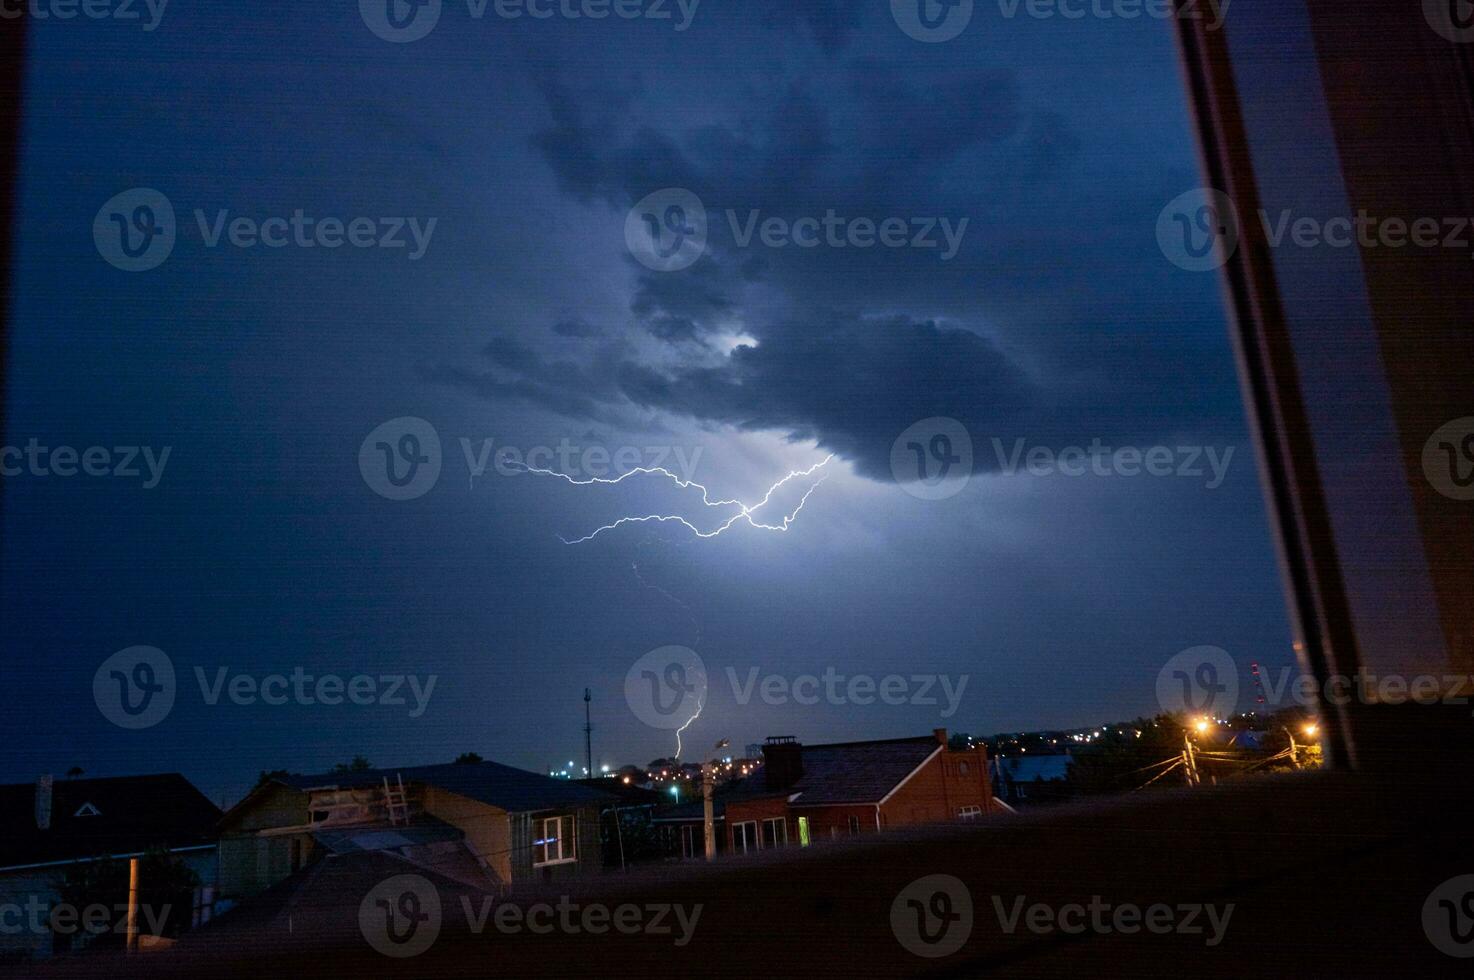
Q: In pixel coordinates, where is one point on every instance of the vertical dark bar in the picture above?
(1402, 109)
(1275, 404)
(12, 71)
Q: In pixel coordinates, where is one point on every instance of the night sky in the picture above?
(528, 321)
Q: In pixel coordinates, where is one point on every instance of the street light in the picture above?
(1311, 728)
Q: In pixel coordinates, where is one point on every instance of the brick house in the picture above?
(809, 793)
(488, 825)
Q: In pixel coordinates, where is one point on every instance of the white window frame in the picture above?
(854, 826)
(740, 837)
(567, 844)
(689, 838)
(780, 831)
(969, 812)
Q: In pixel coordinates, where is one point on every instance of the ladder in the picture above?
(395, 800)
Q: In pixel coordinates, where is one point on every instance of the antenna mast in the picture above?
(588, 735)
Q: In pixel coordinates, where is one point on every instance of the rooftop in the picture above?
(93, 818)
(513, 790)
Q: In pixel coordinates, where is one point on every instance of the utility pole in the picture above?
(132, 941)
(1192, 763)
(588, 735)
(708, 816)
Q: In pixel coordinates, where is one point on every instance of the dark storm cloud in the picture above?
(850, 379)
(576, 327)
(829, 22)
(682, 308)
(938, 119)
(851, 384)
(779, 157)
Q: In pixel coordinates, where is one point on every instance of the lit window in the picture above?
(554, 843)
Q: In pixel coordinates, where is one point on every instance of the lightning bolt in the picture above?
(700, 706)
(744, 513)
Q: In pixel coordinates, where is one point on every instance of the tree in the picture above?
(359, 764)
(468, 759)
(271, 776)
(1118, 760)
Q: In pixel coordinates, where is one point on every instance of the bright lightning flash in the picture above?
(744, 512)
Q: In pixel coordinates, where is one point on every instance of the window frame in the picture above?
(567, 843)
(741, 837)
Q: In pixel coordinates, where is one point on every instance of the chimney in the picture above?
(783, 761)
(43, 802)
(940, 734)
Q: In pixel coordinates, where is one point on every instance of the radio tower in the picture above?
(1259, 708)
(588, 736)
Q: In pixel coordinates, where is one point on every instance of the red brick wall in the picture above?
(940, 790)
(823, 819)
(934, 794)
(758, 811)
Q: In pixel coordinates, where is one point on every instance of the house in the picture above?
(808, 793)
(54, 835)
(682, 826)
(482, 823)
(1032, 778)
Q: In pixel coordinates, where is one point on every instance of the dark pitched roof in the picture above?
(858, 772)
(133, 814)
(842, 772)
(514, 790)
